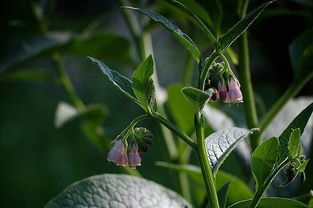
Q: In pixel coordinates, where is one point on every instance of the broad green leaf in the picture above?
(66, 113)
(268, 202)
(222, 195)
(196, 97)
(301, 54)
(194, 172)
(117, 191)
(220, 144)
(109, 46)
(263, 161)
(294, 143)
(299, 122)
(143, 85)
(180, 109)
(178, 34)
(233, 33)
(121, 82)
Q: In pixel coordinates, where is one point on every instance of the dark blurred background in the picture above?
(37, 159)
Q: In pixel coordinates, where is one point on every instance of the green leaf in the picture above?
(66, 113)
(301, 54)
(180, 109)
(196, 97)
(178, 34)
(117, 191)
(268, 202)
(222, 195)
(294, 143)
(263, 161)
(220, 144)
(302, 166)
(233, 33)
(109, 46)
(299, 122)
(194, 172)
(121, 82)
(143, 85)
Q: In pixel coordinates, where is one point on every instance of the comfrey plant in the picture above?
(216, 81)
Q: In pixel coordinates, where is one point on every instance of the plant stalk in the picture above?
(205, 163)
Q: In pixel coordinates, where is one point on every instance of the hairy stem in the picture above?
(245, 80)
(205, 163)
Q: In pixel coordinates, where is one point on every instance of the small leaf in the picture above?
(302, 166)
(294, 143)
(143, 85)
(220, 144)
(222, 195)
(299, 122)
(178, 34)
(112, 190)
(196, 97)
(269, 202)
(263, 161)
(121, 82)
(233, 33)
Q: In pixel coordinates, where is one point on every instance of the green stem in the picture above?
(66, 83)
(205, 70)
(205, 163)
(175, 130)
(245, 80)
(135, 121)
(292, 90)
(258, 195)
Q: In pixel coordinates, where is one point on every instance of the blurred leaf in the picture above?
(194, 172)
(180, 109)
(112, 190)
(263, 161)
(294, 143)
(233, 33)
(143, 85)
(66, 113)
(121, 82)
(182, 37)
(111, 47)
(268, 202)
(299, 122)
(220, 144)
(196, 97)
(301, 54)
(27, 76)
(222, 195)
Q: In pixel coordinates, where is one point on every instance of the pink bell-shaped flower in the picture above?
(118, 154)
(234, 94)
(134, 158)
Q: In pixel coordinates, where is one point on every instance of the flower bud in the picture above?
(222, 89)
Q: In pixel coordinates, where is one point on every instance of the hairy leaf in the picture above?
(268, 202)
(143, 85)
(178, 34)
(220, 144)
(121, 82)
(233, 33)
(117, 191)
(196, 97)
(263, 161)
(299, 122)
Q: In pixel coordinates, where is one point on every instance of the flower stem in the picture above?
(205, 163)
(175, 130)
(245, 80)
(205, 70)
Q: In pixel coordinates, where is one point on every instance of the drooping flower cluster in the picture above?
(228, 91)
(121, 155)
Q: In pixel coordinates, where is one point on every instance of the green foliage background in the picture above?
(38, 161)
